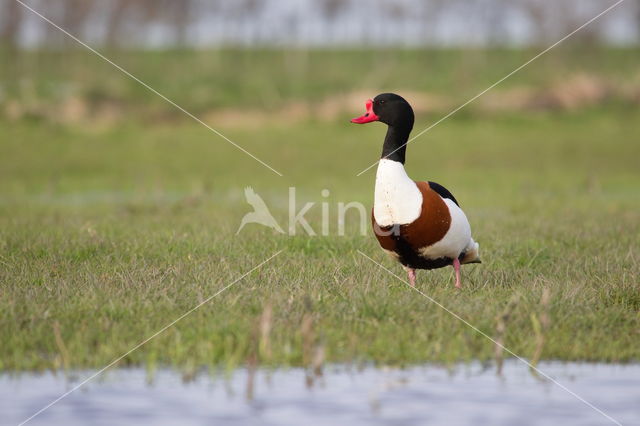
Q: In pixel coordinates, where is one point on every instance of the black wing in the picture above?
(443, 192)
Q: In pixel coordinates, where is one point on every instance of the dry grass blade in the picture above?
(64, 353)
(540, 327)
(265, 331)
(501, 330)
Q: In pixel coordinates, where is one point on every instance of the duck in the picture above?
(419, 223)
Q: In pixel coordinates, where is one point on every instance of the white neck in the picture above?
(397, 199)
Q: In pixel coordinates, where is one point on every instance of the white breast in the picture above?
(397, 199)
(457, 238)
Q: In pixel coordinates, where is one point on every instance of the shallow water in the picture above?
(466, 395)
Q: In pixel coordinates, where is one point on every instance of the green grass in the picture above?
(109, 233)
(208, 80)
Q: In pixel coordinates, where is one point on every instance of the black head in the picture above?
(390, 109)
(394, 111)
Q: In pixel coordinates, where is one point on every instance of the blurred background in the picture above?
(282, 77)
(215, 56)
(313, 23)
(250, 67)
(127, 207)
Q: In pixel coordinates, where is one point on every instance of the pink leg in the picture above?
(456, 266)
(412, 276)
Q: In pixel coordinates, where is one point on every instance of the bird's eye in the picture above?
(381, 101)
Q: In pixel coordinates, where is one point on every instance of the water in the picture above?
(466, 395)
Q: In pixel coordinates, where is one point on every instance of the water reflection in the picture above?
(469, 394)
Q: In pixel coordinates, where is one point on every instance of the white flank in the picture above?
(471, 252)
(457, 238)
(397, 199)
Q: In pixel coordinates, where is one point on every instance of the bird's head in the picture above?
(388, 108)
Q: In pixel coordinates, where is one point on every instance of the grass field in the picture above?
(109, 232)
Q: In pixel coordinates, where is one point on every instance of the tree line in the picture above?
(120, 22)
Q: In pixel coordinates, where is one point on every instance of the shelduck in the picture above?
(420, 224)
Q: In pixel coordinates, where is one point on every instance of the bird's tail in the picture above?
(472, 254)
